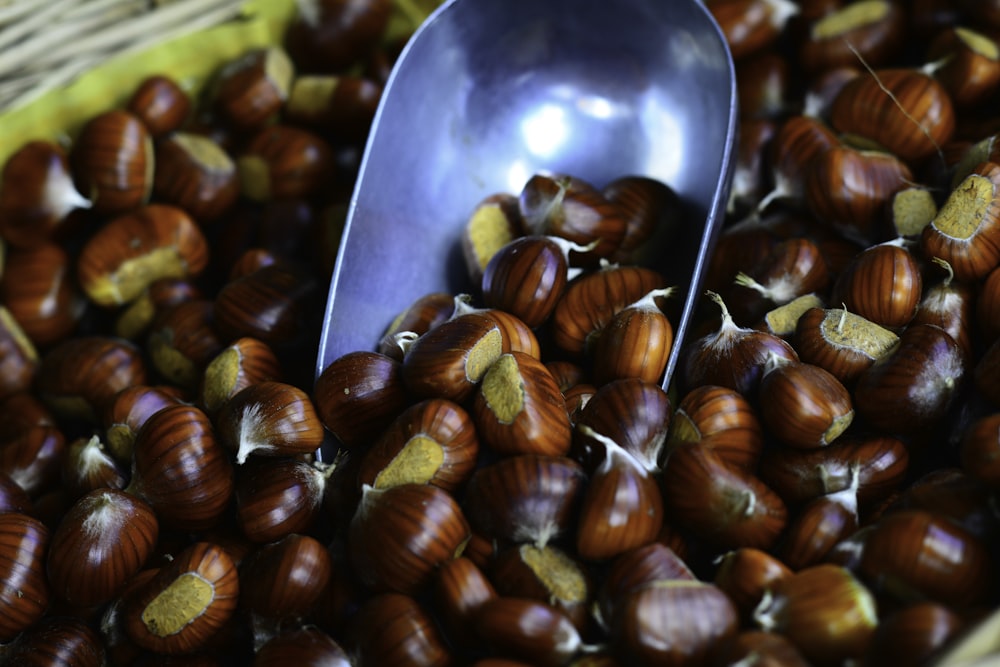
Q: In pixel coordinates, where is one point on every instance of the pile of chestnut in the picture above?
(507, 483)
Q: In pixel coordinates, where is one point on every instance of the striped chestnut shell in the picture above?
(358, 394)
(592, 300)
(873, 28)
(79, 377)
(181, 469)
(269, 419)
(400, 535)
(526, 277)
(183, 606)
(849, 188)
(285, 579)
(38, 290)
(905, 111)
(882, 284)
(131, 251)
(525, 498)
(103, 540)
(573, 209)
(966, 231)
(24, 587)
(518, 408)
(112, 161)
(431, 442)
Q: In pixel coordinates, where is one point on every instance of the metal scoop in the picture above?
(489, 92)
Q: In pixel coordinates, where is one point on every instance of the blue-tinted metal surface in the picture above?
(489, 92)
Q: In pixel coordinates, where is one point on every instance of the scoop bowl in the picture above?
(488, 92)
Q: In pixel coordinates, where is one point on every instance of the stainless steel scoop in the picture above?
(489, 92)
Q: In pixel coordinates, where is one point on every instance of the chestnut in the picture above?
(12, 497)
(181, 469)
(38, 291)
(249, 91)
(99, 545)
(283, 162)
(181, 342)
(911, 389)
(652, 212)
(395, 629)
(573, 209)
(873, 29)
(36, 194)
(721, 419)
(284, 579)
(915, 554)
(849, 188)
(746, 574)
(269, 419)
(342, 106)
(184, 605)
(243, 362)
(904, 110)
(528, 630)
(621, 508)
(112, 161)
(792, 268)
(824, 610)
(803, 405)
(399, 535)
(161, 104)
(450, 360)
(128, 411)
(134, 319)
(883, 284)
(131, 251)
(633, 413)
(727, 507)
(966, 231)
(277, 497)
(841, 342)
(801, 475)
(913, 634)
(431, 442)
(635, 569)
(494, 222)
(357, 394)
(307, 647)
(527, 276)
(196, 175)
(57, 640)
(18, 356)
(819, 526)
(79, 377)
(636, 342)
(87, 465)
(268, 304)
(751, 26)
(525, 498)
(331, 35)
(980, 449)
(459, 589)
(910, 210)
(418, 318)
(546, 574)
(24, 587)
(592, 300)
(799, 141)
(518, 408)
(732, 357)
(33, 459)
(673, 622)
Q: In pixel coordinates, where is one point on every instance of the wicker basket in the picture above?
(69, 60)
